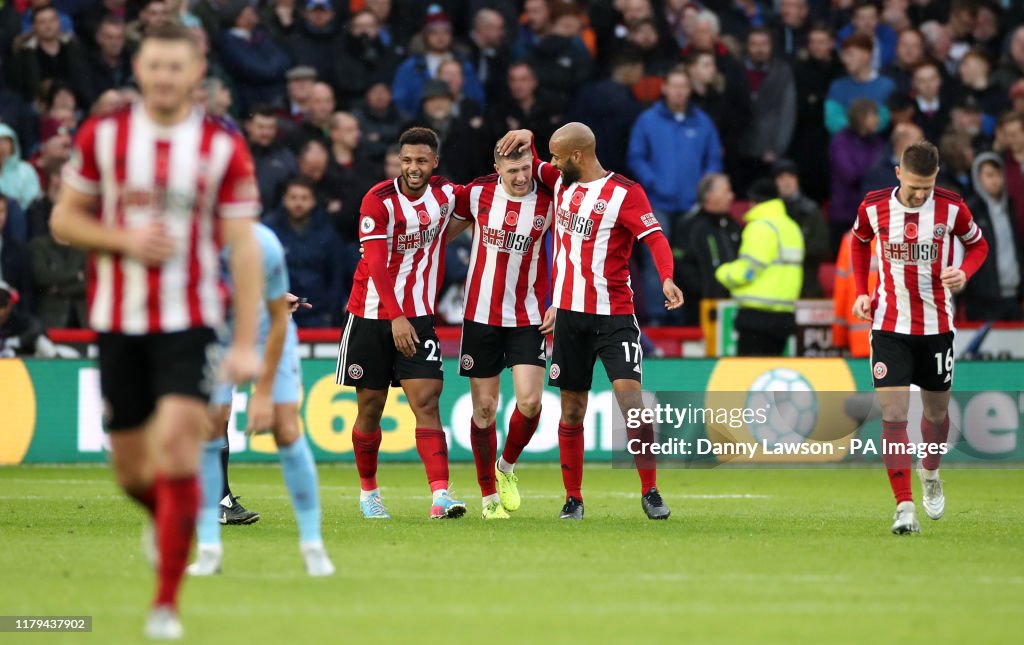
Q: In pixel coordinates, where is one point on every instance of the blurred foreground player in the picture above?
(389, 336)
(152, 190)
(598, 215)
(274, 405)
(506, 290)
(911, 314)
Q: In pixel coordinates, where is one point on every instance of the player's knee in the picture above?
(573, 413)
(529, 405)
(372, 406)
(486, 409)
(131, 480)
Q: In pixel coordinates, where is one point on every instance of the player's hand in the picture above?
(150, 244)
(953, 279)
(548, 324)
(240, 365)
(862, 308)
(260, 413)
(520, 140)
(673, 295)
(405, 336)
(295, 303)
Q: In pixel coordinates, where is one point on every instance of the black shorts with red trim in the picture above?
(486, 350)
(137, 370)
(903, 359)
(367, 356)
(580, 339)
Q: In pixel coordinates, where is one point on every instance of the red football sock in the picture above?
(646, 463)
(177, 504)
(485, 447)
(433, 449)
(146, 498)
(570, 453)
(366, 446)
(936, 435)
(520, 431)
(894, 435)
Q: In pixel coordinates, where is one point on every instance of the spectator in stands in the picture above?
(1011, 68)
(882, 173)
(865, 21)
(18, 180)
(704, 240)
(316, 123)
(966, 117)
(37, 216)
(792, 29)
(609, 108)
(380, 121)
(738, 17)
(50, 55)
(299, 82)
(256, 63)
(58, 271)
(659, 54)
(814, 75)
(939, 45)
(975, 81)
(729, 110)
(988, 30)
(489, 55)
(861, 82)
(351, 171)
(16, 112)
(451, 73)
(280, 17)
(215, 97)
(87, 20)
(20, 331)
(960, 26)
(15, 267)
(704, 37)
(909, 54)
(314, 164)
(670, 178)
(932, 112)
(1017, 96)
(535, 25)
(317, 39)
(110, 64)
(274, 162)
(151, 13)
(956, 155)
(111, 101)
(560, 60)
(364, 58)
(464, 144)
(525, 106)
(808, 216)
(997, 292)
(311, 252)
(392, 162)
(773, 108)
(31, 6)
(413, 74)
(55, 150)
(852, 151)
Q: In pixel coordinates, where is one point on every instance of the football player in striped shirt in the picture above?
(506, 291)
(389, 337)
(599, 214)
(911, 315)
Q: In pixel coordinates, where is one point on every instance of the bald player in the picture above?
(598, 215)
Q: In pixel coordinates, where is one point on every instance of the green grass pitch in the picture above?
(749, 556)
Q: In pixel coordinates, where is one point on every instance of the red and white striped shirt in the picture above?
(186, 176)
(595, 224)
(914, 246)
(415, 235)
(508, 268)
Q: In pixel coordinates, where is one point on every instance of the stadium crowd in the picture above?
(712, 106)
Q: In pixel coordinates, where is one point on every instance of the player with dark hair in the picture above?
(389, 337)
(911, 314)
(506, 289)
(152, 191)
(598, 216)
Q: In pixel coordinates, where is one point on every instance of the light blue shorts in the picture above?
(287, 381)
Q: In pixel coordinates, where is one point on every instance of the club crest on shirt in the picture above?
(467, 362)
(444, 209)
(910, 231)
(538, 223)
(600, 206)
(648, 219)
(366, 225)
(939, 232)
(355, 371)
(424, 217)
(880, 370)
(511, 218)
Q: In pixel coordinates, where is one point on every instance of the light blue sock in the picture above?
(212, 481)
(300, 478)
